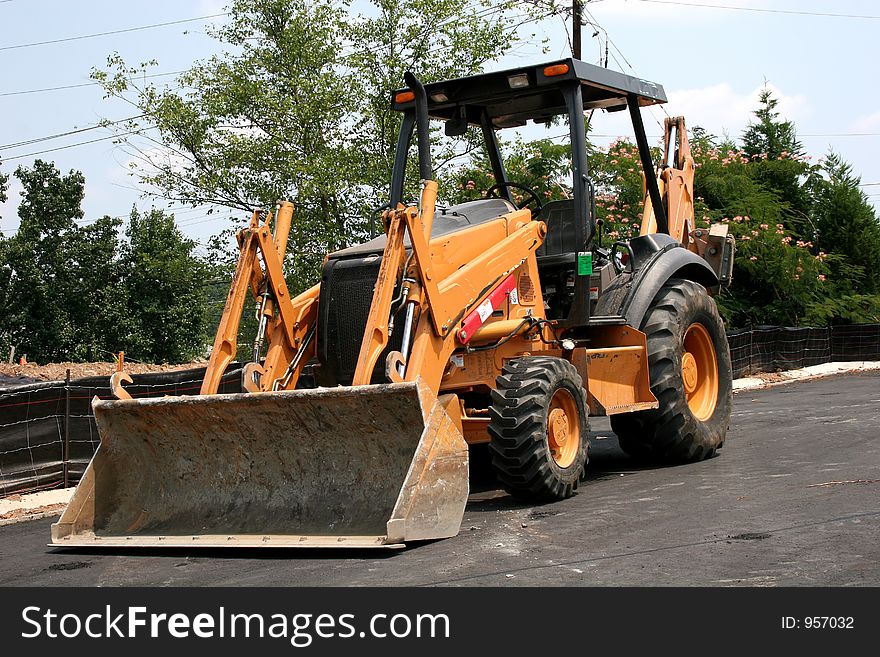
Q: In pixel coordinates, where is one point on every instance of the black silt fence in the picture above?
(48, 433)
(779, 348)
(856, 342)
(41, 423)
(776, 348)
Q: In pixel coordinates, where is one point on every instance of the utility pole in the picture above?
(576, 29)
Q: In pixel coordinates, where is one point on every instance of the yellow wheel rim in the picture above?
(563, 428)
(699, 372)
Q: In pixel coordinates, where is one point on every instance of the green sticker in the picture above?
(585, 263)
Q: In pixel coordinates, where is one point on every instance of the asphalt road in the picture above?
(763, 513)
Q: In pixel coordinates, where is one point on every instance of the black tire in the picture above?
(520, 445)
(672, 433)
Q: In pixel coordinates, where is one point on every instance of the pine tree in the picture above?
(770, 138)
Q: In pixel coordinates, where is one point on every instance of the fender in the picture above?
(656, 259)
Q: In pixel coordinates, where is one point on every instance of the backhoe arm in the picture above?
(676, 183)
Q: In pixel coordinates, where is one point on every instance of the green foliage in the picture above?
(298, 108)
(70, 292)
(438, 40)
(846, 224)
(777, 277)
(769, 137)
(808, 242)
(39, 270)
(4, 185)
(165, 288)
(542, 165)
(617, 174)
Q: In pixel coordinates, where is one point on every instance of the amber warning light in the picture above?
(555, 69)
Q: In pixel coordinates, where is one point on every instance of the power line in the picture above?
(484, 12)
(189, 222)
(842, 134)
(81, 143)
(110, 32)
(77, 86)
(761, 10)
(608, 39)
(77, 131)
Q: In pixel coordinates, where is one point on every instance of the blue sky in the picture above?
(712, 62)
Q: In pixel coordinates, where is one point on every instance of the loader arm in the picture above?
(441, 304)
(287, 330)
(434, 307)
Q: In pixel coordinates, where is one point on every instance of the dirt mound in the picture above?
(19, 374)
(40, 511)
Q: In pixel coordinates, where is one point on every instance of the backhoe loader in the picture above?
(483, 322)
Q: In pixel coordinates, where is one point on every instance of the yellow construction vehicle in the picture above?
(483, 322)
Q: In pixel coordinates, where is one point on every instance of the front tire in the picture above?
(691, 376)
(539, 428)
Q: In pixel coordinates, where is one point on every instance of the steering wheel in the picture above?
(492, 192)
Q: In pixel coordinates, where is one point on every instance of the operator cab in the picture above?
(510, 99)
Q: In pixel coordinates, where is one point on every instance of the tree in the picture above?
(262, 124)
(76, 292)
(39, 276)
(770, 137)
(4, 186)
(100, 303)
(298, 108)
(436, 39)
(847, 225)
(164, 285)
(780, 164)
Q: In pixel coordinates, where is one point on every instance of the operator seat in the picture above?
(559, 247)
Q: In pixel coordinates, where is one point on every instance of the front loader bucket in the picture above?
(360, 466)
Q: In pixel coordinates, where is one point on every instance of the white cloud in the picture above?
(719, 108)
(867, 123)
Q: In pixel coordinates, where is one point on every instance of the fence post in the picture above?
(830, 344)
(67, 429)
(751, 347)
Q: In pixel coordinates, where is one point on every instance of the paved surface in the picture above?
(763, 513)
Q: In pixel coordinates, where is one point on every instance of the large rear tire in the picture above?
(539, 428)
(689, 361)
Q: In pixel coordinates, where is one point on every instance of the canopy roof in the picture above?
(512, 97)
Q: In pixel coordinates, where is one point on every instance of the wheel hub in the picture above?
(558, 427)
(563, 430)
(699, 371)
(689, 372)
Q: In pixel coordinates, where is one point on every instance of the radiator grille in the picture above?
(346, 294)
